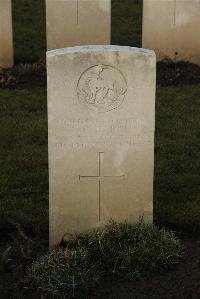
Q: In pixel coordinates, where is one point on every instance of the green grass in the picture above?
(29, 30)
(177, 163)
(127, 22)
(24, 158)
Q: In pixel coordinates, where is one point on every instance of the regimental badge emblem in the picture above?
(102, 88)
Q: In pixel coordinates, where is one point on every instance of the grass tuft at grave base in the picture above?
(118, 250)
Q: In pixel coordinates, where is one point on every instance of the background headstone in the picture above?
(172, 28)
(6, 36)
(77, 22)
(101, 136)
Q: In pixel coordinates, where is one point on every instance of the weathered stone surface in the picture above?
(6, 39)
(101, 136)
(171, 28)
(77, 22)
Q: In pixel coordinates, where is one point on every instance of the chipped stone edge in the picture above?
(107, 48)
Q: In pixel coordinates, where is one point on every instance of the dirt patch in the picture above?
(24, 75)
(180, 73)
(181, 283)
(34, 74)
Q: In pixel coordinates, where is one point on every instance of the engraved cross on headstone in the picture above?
(100, 178)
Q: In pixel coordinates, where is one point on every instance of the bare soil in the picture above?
(34, 74)
(180, 283)
(180, 73)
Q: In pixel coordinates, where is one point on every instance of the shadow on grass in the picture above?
(29, 30)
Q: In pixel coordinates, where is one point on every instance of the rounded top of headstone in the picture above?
(89, 49)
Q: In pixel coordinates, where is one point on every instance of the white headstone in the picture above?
(6, 38)
(77, 22)
(172, 29)
(101, 102)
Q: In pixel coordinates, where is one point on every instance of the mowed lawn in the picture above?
(23, 133)
(24, 160)
(177, 157)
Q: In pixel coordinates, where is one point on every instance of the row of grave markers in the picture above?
(170, 27)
